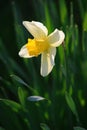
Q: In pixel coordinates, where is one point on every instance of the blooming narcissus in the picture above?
(43, 44)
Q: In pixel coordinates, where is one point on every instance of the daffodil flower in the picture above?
(43, 44)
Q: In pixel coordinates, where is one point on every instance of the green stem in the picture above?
(66, 66)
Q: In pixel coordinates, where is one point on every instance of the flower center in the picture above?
(36, 47)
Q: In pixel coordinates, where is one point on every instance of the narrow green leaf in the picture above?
(9, 113)
(48, 18)
(71, 104)
(22, 96)
(85, 22)
(17, 23)
(44, 126)
(15, 106)
(71, 17)
(19, 80)
(79, 128)
(63, 11)
(81, 8)
(2, 128)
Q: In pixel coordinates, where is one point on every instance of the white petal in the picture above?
(47, 61)
(56, 38)
(37, 29)
(40, 25)
(24, 52)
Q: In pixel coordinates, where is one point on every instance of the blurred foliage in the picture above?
(20, 78)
